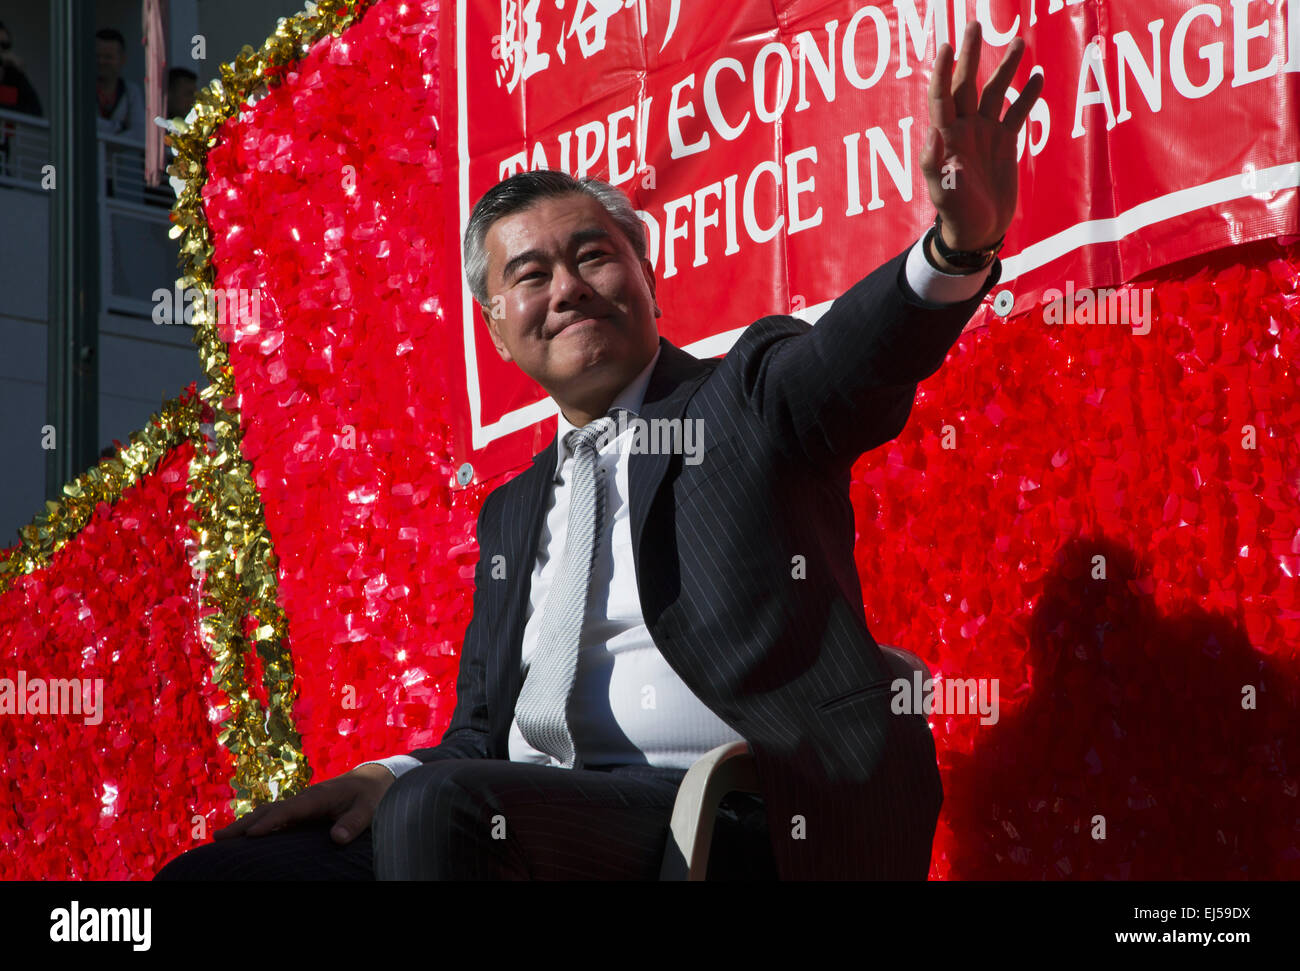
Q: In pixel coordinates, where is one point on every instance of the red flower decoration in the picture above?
(112, 788)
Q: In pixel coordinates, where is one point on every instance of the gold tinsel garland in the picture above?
(234, 546)
(234, 543)
(177, 422)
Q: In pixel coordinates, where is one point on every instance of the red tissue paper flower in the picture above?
(1146, 722)
(327, 200)
(120, 770)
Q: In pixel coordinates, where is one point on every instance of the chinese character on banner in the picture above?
(516, 53)
(516, 46)
(590, 29)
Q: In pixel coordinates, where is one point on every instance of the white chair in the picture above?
(729, 768)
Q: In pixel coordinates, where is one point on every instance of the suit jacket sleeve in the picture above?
(831, 391)
(467, 735)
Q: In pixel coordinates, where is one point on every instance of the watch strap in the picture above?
(964, 259)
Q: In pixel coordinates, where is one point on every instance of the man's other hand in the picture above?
(350, 799)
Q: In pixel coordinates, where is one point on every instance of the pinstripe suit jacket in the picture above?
(781, 653)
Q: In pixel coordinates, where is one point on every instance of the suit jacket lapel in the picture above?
(520, 539)
(676, 376)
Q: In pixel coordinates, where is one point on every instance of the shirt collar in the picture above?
(631, 398)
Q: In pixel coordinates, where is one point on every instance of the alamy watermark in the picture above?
(56, 696)
(1130, 307)
(660, 436)
(946, 696)
(77, 924)
(220, 306)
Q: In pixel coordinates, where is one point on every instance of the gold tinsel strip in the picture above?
(178, 421)
(235, 546)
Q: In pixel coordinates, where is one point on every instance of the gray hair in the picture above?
(519, 192)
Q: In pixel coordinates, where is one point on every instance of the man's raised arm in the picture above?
(846, 385)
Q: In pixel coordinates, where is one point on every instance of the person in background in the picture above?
(16, 92)
(121, 102)
(182, 86)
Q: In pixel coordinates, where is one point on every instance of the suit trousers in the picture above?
(492, 819)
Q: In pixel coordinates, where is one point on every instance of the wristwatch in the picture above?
(969, 260)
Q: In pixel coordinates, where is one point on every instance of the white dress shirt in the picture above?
(127, 118)
(628, 704)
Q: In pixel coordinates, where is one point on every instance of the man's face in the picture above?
(108, 59)
(568, 299)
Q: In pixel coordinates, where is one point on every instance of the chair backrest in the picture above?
(902, 663)
(730, 768)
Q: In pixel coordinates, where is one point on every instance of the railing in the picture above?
(24, 149)
(137, 257)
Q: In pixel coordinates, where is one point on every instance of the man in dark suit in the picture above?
(718, 582)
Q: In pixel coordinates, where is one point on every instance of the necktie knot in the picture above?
(593, 435)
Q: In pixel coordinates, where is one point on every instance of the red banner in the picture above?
(773, 151)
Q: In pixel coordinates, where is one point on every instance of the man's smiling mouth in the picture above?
(580, 320)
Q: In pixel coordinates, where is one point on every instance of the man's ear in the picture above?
(492, 320)
(649, 272)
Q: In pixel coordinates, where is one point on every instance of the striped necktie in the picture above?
(542, 707)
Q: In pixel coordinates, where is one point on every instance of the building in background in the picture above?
(141, 363)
